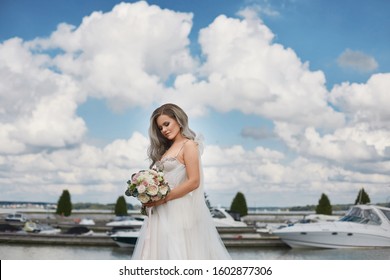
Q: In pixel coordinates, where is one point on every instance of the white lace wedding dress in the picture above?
(181, 229)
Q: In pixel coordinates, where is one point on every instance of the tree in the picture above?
(362, 197)
(121, 206)
(239, 205)
(324, 206)
(64, 205)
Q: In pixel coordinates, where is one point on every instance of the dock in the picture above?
(57, 239)
(231, 237)
(106, 241)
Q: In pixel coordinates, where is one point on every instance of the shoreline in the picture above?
(231, 236)
(236, 237)
(106, 241)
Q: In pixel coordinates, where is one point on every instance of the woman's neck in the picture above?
(179, 138)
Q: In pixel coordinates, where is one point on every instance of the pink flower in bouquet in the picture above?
(152, 190)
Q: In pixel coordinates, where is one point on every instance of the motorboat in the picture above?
(125, 238)
(86, 222)
(125, 221)
(223, 219)
(121, 228)
(31, 227)
(268, 228)
(16, 217)
(79, 230)
(362, 226)
(48, 229)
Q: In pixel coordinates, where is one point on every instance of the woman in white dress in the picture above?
(180, 226)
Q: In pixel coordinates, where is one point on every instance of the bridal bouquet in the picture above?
(146, 186)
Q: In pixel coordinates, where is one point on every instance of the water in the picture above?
(43, 252)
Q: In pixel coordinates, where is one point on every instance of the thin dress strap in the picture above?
(181, 148)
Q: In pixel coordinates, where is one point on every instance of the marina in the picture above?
(98, 228)
(232, 237)
(250, 242)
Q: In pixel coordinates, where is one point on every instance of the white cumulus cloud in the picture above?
(138, 55)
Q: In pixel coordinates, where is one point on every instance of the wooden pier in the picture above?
(242, 237)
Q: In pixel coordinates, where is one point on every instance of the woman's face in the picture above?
(168, 127)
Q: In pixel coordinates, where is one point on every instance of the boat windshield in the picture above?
(366, 216)
(386, 213)
(215, 213)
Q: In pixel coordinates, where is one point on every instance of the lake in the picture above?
(43, 252)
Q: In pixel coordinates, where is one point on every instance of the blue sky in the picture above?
(290, 96)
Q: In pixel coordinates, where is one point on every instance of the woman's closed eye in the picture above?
(166, 124)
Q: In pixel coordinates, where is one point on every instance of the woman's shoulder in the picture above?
(190, 148)
(195, 144)
(190, 151)
(189, 143)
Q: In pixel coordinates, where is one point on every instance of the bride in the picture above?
(180, 226)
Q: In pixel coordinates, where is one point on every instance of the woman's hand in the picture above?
(155, 203)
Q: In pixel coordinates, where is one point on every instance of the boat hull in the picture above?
(125, 239)
(334, 235)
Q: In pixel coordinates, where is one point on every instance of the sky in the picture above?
(290, 97)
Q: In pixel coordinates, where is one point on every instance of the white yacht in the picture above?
(362, 226)
(222, 218)
(125, 221)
